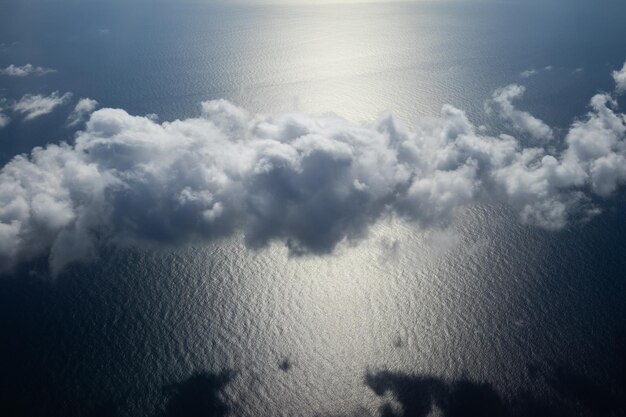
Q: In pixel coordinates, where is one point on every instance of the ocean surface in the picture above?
(491, 317)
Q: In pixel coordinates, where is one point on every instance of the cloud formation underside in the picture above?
(310, 182)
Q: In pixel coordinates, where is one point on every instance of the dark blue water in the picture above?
(493, 318)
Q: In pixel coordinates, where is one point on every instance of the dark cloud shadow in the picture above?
(198, 396)
(569, 394)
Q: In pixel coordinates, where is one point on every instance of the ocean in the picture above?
(488, 317)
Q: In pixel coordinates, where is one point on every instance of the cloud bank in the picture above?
(25, 70)
(310, 182)
(33, 106)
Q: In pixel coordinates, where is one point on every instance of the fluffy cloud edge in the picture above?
(502, 103)
(620, 80)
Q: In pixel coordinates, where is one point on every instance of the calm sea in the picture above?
(490, 318)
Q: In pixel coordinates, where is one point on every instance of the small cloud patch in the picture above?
(25, 70)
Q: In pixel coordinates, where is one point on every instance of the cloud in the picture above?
(33, 106)
(502, 104)
(620, 79)
(532, 72)
(83, 108)
(528, 73)
(309, 182)
(25, 70)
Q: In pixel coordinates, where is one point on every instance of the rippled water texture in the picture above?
(490, 317)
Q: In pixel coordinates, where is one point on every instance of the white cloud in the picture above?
(33, 106)
(502, 103)
(532, 72)
(310, 182)
(25, 70)
(620, 79)
(82, 109)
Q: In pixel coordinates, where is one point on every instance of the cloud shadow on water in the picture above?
(197, 396)
(50, 330)
(569, 393)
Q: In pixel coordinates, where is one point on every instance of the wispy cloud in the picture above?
(528, 73)
(25, 70)
(310, 182)
(33, 106)
(4, 119)
(82, 109)
(7, 46)
(531, 72)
